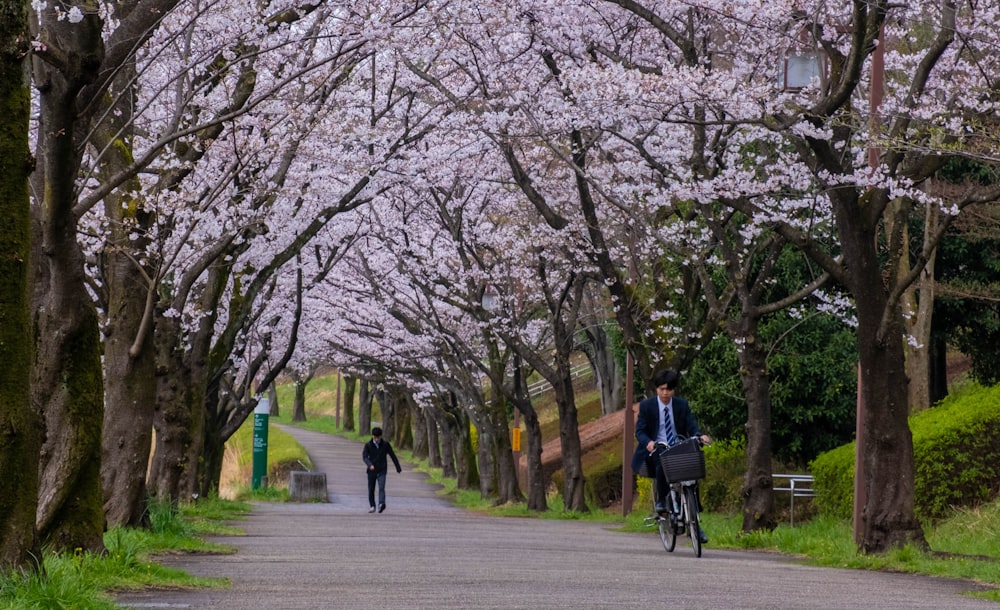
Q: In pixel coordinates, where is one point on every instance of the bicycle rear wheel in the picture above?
(668, 533)
(693, 523)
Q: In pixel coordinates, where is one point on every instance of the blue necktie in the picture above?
(668, 426)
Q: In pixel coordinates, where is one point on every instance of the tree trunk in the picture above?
(888, 518)
(421, 448)
(210, 463)
(299, 404)
(350, 384)
(180, 400)
(446, 426)
(67, 380)
(920, 305)
(21, 442)
(505, 470)
(486, 456)
(758, 497)
(537, 483)
(466, 468)
(364, 406)
(604, 362)
(129, 351)
(574, 498)
(403, 419)
(272, 401)
(387, 407)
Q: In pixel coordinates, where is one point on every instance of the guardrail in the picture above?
(538, 388)
(798, 486)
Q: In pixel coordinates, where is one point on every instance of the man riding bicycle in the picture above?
(663, 418)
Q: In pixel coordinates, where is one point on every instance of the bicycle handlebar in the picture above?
(681, 439)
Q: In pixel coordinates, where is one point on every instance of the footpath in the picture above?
(423, 553)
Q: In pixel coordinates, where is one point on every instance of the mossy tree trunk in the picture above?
(20, 426)
(67, 382)
(129, 351)
(183, 386)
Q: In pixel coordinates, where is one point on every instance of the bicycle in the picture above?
(683, 464)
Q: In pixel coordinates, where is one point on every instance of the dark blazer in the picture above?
(648, 423)
(377, 456)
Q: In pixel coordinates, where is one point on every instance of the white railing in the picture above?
(798, 486)
(541, 386)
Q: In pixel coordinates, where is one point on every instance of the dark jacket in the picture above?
(648, 423)
(377, 456)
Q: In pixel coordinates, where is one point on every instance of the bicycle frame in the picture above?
(682, 516)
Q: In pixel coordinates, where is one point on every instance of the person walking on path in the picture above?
(374, 455)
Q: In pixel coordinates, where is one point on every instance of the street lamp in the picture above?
(804, 63)
(801, 68)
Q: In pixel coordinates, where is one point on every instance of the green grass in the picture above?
(955, 551)
(83, 581)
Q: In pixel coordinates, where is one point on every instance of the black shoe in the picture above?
(381, 508)
(702, 536)
(660, 508)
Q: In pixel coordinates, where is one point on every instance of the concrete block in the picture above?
(308, 486)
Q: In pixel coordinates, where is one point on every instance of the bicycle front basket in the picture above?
(683, 462)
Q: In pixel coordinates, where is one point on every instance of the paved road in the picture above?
(423, 553)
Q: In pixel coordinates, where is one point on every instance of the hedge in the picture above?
(956, 447)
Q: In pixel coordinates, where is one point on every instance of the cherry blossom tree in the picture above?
(826, 149)
(19, 447)
(72, 66)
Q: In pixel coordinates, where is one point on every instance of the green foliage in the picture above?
(64, 586)
(813, 380)
(834, 481)
(956, 448)
(165, 519)
(970, 264)
(725, 468)
(961, 169)
(957, 452)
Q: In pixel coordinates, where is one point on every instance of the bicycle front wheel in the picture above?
(668, 533)
(694, 525)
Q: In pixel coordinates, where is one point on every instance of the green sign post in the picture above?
(260, 415)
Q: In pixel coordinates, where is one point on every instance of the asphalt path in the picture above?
(424, 553)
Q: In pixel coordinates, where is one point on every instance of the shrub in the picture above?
(725, 467)
(834, 481)
(956, 447)
(956, 452)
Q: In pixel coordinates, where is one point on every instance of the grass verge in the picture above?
(85, 581)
